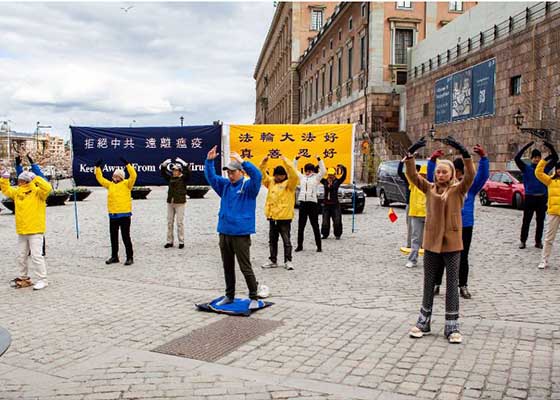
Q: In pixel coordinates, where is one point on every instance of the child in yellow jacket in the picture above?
(119, 205)
(553, 185)
(279, 208)
(30, 200)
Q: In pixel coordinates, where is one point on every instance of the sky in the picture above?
(110, 64)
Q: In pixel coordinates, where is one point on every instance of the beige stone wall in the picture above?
(533, 53)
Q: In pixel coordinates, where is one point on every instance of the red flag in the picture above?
(393, 215)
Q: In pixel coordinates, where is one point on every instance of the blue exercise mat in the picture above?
(238, 307)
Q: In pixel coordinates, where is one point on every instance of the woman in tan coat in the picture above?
(442, 235)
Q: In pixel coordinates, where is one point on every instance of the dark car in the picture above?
(390, 187)
(504, 187)
(344, 197)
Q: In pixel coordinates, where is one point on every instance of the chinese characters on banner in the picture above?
(144, 148)
(466, 94)
(333, 143)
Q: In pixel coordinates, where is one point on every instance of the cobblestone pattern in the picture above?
(346, 312)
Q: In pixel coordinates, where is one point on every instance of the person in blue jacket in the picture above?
(535, 195)
(467, 214)
(236, 221)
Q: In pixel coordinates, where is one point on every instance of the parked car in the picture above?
(344, 197)
(503, 187)
(390, 187)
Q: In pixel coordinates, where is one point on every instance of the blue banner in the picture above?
(443, 100)
(483, 88)
(466, 94)
(145, 148)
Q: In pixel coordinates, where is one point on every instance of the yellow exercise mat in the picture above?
(406, 250)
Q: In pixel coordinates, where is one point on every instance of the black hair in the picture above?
(279, 170)
(310, 167)
(536, 153)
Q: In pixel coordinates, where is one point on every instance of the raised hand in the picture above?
(181, 161)
(478, 149)
(437, 154)
(451, 141)
(418, 145)
(98, 163)
(213, 153)
(124, 160)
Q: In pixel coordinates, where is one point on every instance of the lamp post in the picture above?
(540, 133)
(181, 118)
(6, 128)
(39, 126)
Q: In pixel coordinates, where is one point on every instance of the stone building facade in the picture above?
(526, 48)
(293, 26)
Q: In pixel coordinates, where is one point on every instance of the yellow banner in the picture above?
(333, 143)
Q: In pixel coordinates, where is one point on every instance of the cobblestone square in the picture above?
(345, 314)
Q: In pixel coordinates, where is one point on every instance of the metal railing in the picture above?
(513, 24)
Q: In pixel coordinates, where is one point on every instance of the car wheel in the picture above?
(517, 201)
(484, 198)
(383, 199)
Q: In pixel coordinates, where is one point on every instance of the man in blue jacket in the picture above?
(236, 221)
(535, 195)
(467, 214)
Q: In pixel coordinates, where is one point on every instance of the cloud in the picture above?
(94, 64)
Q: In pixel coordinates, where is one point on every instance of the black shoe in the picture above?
(112, 260)
(299, 248)
(181, 246)
(522, 245)
(337, 238)
(436, 290)
(168, 245)
(319, 250)
(538, 245)
(129, 261)
(324, 237)
(464, 292)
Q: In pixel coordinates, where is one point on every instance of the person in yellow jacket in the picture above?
(119, 205)
(417, 216)
(30, 200)
(553, 185)
(279, 208)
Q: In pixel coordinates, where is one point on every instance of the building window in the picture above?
(331, 44)
(456, 6)
(403, 40)
(362, 53)
(324, 52)
(361, 119)
(316, 87)
(330, 76)
(515, 85)
(340, 34)
(401, 77)
(316, 20)
(404, 5)
(363, 10)
(350, 23)
(426, 109)
(323, 83)
(339, 72)
(350, 63)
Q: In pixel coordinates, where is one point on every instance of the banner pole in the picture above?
(76, 210)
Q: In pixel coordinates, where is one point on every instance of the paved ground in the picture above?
(345, 314)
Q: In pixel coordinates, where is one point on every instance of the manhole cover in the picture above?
(218, 339)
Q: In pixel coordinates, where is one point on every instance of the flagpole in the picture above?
(75, 210)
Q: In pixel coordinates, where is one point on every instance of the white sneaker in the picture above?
(410, 264)
(254, 304)
(270, 264)
(542, 265)
(263, 292)
(289, 266)
(40, 285)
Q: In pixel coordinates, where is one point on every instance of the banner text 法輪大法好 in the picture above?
(333, 143)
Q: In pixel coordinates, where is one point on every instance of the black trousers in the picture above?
(230, 248)
(280, 228)
(332, 211)
(308, 209)
(123, 224)
(464, 263)
(533, 204)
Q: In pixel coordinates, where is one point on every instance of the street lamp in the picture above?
(540, 133)
(432, 132)
(182, 118)
(37, 133)
(6, 128)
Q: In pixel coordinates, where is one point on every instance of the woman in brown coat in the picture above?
(442, 235)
